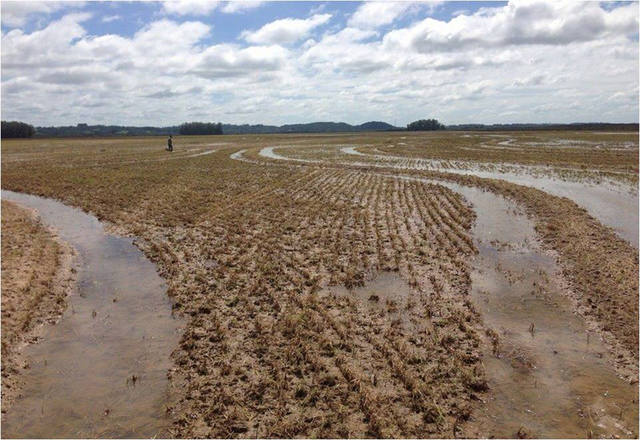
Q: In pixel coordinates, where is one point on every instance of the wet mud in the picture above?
(548, 373)
(102, 370)
(387, 294)
(611, 204)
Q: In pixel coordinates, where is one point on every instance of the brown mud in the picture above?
(37, 277)
(101, 371)
(248, 252)
(314, 361)
(550, 373)
(600, 267)
(609, 203)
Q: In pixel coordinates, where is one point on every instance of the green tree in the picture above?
(425, 125)
(189, 128)
(15, 129)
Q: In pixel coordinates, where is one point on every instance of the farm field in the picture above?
(396, 284)
(36, 272)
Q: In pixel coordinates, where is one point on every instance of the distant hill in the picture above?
(81, 130)
(377, 126)
(85, 130)
(573, 126)
(312, 127)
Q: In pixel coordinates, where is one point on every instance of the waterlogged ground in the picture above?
(611, 201)
(362, 284)
(547, 369)
(101, 371)
(37, 276)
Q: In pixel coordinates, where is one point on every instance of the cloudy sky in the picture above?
(154, 63)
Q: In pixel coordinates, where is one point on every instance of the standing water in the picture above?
(102, 370)
(613, 205)
(548, 374)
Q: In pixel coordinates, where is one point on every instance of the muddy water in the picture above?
(549, 375)
(611, 204)
(101, 371)
(387, 293)
(238, 154)
(268, 152)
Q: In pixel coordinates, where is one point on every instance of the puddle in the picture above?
(547, 375)
(611, 205)
(268, 152)
(102, 370)
(238, 154)
(386, 294)
(552, 377)
(352, 151)
(608, 204)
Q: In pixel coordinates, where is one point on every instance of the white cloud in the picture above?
(42, 48)
(110, 18)
(162, 61)
(518, 23)
(286, 30)
(16, 13)
(521, 62)
(371, 15)
(190, 7)
(206, 7)
(240, 6)
(223, 61)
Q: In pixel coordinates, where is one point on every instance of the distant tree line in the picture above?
(201, 128)
(15, 129)
(595, 126)
(85, 130)
(425, 125)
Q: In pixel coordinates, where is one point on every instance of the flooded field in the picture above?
(101, 371)
(610, 202)
(547, 368)
(356, 285)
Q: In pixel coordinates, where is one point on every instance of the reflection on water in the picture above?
(547, 374)
(610, 204)
(387, 293)
(100, 372)
(268, 152)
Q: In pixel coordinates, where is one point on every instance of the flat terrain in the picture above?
(343, 285)
(36, 278)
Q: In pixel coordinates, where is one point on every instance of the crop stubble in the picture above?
(249, 251)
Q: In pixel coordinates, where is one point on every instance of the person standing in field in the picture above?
(170, 143)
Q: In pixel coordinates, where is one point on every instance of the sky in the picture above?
(164, 63)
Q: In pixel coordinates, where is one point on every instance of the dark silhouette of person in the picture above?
(170, 143)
